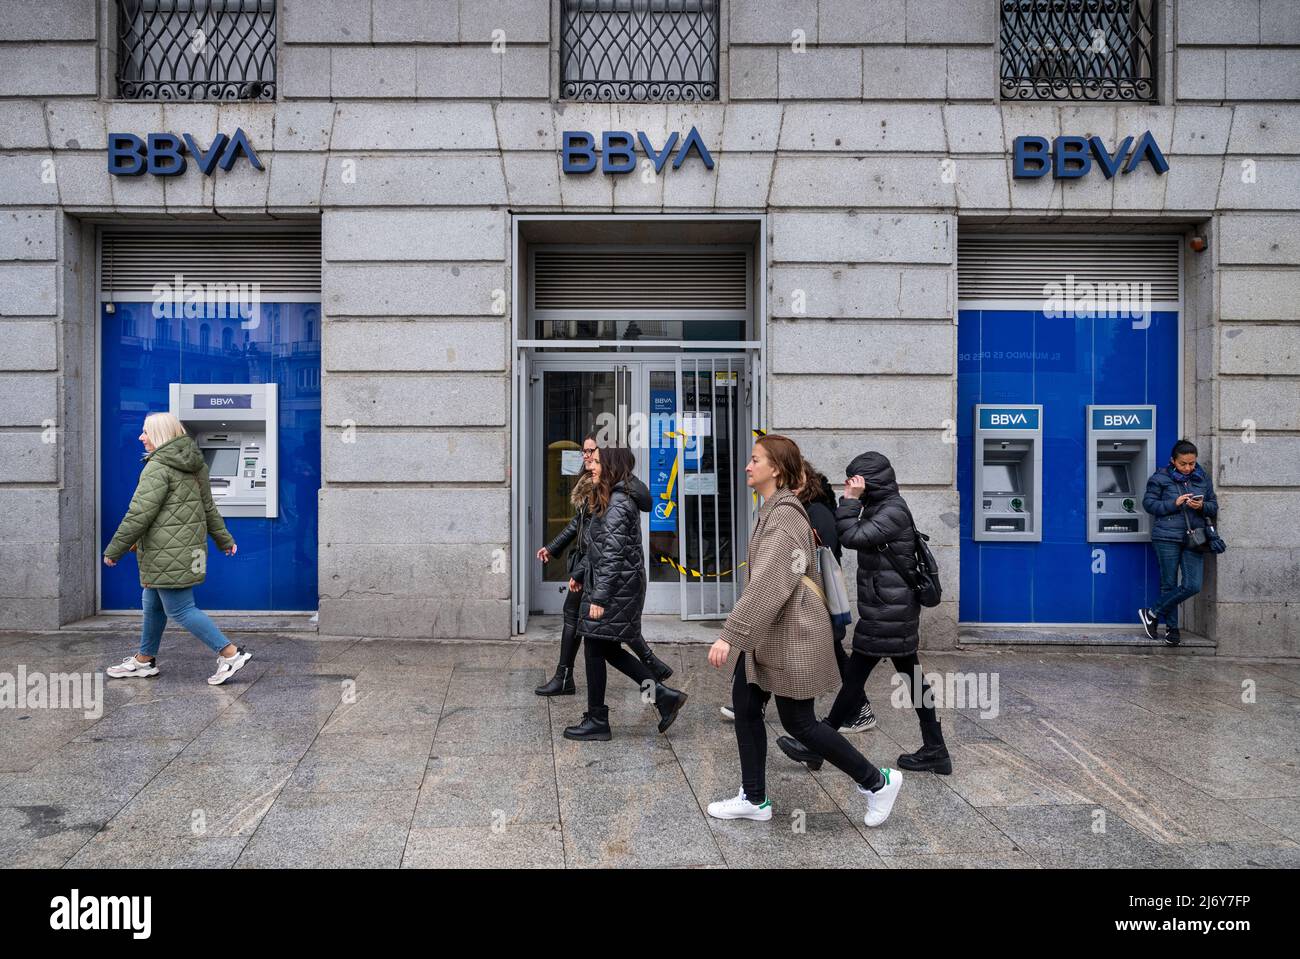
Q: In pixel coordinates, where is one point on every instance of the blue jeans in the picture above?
(1172, 556)
(178, 604)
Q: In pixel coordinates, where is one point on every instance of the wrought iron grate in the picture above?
(1079, 49)
(196, 49)
(640, 50)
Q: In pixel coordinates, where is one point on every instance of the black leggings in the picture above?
(859, 667)
(598, 652)
(800, 721)
(569, 639)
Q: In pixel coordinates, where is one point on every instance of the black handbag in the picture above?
(925, 583)
(1196, 539)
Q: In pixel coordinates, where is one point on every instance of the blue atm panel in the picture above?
(141, 356)
(1064, 364)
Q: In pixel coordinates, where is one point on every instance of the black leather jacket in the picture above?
(572, 533)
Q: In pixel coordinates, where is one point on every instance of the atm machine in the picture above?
(1121, 455)
(236, 428)
(1008, 504)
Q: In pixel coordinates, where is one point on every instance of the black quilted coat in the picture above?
(615, 565)
(889, 614)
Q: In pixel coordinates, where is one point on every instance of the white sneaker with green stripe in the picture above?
(741, 808)
(880, 801)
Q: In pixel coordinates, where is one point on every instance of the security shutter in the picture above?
(282, 261)
(999, 267)
(643, 280)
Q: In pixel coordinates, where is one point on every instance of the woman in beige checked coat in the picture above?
(778, 642)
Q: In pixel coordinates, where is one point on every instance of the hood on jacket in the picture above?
(181, 454)
(876, 470)
(637, 490)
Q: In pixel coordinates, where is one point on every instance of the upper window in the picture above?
(196, 49)
(1079, 49)
(639, 50)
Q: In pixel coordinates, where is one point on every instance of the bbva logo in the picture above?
(618, 151)
(1120, 419)
(1070, 157)
(1008, 419)
(163, 154)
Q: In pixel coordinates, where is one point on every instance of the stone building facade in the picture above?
(856, 144)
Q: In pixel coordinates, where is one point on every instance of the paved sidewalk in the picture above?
(446, 758)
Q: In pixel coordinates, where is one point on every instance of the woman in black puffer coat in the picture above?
(614, 592)
(873, 516)
(561, 684)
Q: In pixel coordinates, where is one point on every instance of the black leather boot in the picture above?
(799, 752)
(594, 726)
(669, 702)
(933, 756)
(658, 668)
(561, 684)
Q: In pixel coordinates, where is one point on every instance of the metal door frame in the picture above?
(520, 354)
(529, 522)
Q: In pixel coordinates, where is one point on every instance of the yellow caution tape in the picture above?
(694, 572)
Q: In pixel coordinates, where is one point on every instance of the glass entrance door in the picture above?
(687, 420)
(572, 401)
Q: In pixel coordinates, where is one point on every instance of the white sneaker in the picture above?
(728, 713)
(132, 667)
(228, 666)
(741, 808)
(881, 801)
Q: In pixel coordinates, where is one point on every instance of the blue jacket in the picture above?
(1169, 522)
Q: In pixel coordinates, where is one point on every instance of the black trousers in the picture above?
(596, 653)
(859, 667)
(800, 720)
(570, 640)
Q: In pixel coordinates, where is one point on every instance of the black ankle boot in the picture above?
(669, 702)
(933, 755)
(799, 752)
(561, 684)
(658, 668)
(594, 726)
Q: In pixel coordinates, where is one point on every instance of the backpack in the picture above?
(925, 583)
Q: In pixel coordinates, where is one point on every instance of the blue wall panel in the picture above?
(1023, 356)
(141, 355)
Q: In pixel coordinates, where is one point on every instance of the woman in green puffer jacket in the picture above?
(167, 525)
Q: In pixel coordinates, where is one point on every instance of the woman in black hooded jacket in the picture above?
(614, 592)
(872, 517)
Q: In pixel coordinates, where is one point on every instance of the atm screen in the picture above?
(1112, 480)
(222, 462)
(1001, 478)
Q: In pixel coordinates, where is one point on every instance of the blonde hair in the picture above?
(162, 428)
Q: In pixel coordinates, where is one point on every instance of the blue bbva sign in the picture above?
(163, 154)
(1138, 418)
(1070, 157)
(618, 151)
(1008, 418)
